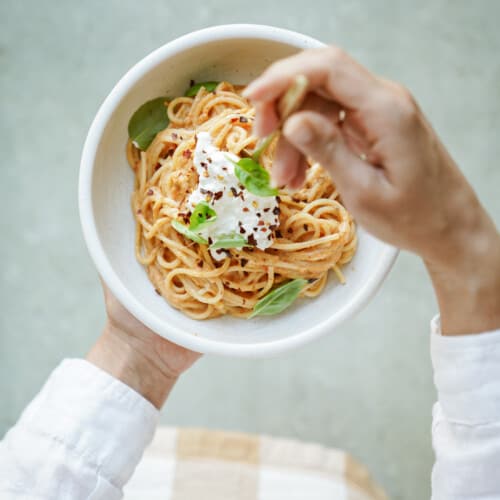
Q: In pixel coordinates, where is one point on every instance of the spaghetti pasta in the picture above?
(315, 234)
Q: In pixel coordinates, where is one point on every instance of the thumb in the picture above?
(318, 138)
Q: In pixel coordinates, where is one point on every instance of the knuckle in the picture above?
(406, 104)
(334, 54)
(398, 103)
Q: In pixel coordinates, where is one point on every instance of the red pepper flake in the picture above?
(150, 192)
(235, 119)
(276, 210)
(218, 195)
(306, 227)
(243, 119)
(244, 262)
(260, 223)
(186, 153)
(264, 229)
(233, 190)
(242, 230)
(289, 230)
(157, 291)
(158, 165)
(266, 209)
(251, 239)
(278, 234)
(139, 211)
(245, 209)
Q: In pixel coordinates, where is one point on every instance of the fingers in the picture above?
(327, 69)
(287, 163)
(266, 119)
(300, 176)
(318, 138)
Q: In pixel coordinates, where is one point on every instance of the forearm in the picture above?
(123, 357)
(466, 357)
(465, 272)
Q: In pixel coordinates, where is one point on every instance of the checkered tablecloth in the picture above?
(199, 464)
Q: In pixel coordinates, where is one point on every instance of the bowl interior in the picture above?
(238, 61)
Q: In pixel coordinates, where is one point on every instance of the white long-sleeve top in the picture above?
(84, 433)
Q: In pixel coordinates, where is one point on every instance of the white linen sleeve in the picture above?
(81, 437)
(466, 418)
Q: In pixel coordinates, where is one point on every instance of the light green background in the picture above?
(367, 387)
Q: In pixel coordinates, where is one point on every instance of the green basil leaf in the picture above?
(230, 241)
(185, 231)
(209, 86)
(279, 299)
(203, 215)
(254, 177)
(147, 121)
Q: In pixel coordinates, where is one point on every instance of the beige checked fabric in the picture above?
(199, 464)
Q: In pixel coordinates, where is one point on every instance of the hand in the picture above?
(393, 174)
(137, 356)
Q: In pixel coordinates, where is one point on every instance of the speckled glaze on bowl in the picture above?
(237, 53)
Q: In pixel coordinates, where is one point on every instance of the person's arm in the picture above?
(84, 433)
(400, 183)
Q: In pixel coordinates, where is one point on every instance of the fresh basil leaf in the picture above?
(254, 177)
(209, 86)
(203, 215)
(279, 299)
(185, 231)
(230, 241)
(147, 121)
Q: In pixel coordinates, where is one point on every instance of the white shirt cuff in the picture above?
(96, 416)
(467, 375)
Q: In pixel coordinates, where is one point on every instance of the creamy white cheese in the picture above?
(238, 211)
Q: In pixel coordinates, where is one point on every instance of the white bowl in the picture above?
(237, 53)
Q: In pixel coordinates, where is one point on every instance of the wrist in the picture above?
(122, 357)
(466, 278)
